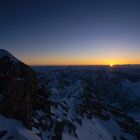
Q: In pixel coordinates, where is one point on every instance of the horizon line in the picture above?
(86, 65)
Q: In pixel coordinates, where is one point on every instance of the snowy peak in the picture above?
(6, 54)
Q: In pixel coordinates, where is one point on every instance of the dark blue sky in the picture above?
(71, 31)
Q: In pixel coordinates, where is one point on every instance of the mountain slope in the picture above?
(18, 88)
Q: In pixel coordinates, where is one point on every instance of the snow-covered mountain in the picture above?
(66, 103)
(91, 94)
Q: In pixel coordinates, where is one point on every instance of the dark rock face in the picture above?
(18, 88)
(42, 102)
(58, 131)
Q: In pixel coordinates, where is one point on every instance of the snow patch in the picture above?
(16, 130)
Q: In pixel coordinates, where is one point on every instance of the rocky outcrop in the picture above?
(58, 131)
(18, 88)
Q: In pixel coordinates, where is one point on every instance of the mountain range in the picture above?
(68, 103)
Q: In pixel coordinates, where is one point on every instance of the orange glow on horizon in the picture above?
(86, 59)
(103, 54)
(73, 61)
(111, 65)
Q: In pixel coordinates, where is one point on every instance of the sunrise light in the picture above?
(111, 65)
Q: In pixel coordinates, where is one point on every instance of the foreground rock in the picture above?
(18, 88)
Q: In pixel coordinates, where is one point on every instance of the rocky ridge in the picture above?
(18, 88)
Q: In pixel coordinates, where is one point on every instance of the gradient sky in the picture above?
(70, 32)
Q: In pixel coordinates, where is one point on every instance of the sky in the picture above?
(71, 32)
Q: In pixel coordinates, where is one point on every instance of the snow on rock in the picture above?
(114, 129)
(14, 129)
(134, 87)
(97, 129)
(90, 130)
(25, 134)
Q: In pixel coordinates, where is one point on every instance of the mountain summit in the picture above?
(5, 54)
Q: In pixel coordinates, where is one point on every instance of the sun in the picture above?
(111, 65)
